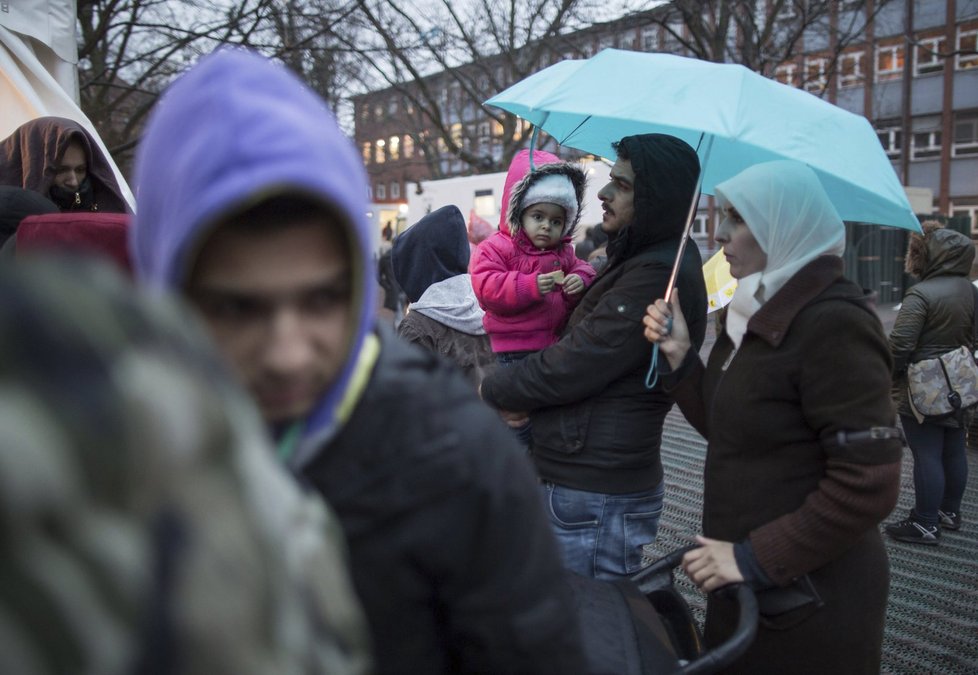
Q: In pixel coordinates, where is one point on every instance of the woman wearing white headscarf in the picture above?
(803, 457)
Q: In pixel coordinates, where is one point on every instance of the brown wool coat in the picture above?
(814, 361)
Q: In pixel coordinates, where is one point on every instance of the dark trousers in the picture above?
(940, 468)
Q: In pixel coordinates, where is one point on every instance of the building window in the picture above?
(650, 39)
(606, 42)
(850, 69)
(394, 147)
(484, 203)
(967, 56)
(408, 147)
(367, 147)
(365, 112)
(699, 227)
(815, 77)
(926, 144)
(456, 132)
(379, 152)
(392, 106)
(891, 138)
(519, 129)
(929, 56)
(378, 112)
(969, 210)
(786, 74)
(671, 38)
(395, 190)
(483, 133)
(889, 62)
(965, 135)
(381, 191)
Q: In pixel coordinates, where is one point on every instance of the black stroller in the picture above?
(643, 625)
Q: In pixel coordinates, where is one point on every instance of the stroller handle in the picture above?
(659, 575)
(721, 656)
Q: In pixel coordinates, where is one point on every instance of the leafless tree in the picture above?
(764, 34)
(130, 50)
(445, 58)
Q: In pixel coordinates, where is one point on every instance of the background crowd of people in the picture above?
(273, 479)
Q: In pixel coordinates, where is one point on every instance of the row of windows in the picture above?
(484, 138)
(925, 138)
(929, 57)
(381, 192)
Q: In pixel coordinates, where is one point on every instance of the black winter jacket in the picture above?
(596, 426)
(450, 550)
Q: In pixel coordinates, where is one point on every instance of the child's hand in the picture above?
(546, 282)
(573, 284)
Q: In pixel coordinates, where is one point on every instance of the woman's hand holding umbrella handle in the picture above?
(665, 325)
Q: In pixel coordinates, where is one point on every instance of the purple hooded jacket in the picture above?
(275, 135)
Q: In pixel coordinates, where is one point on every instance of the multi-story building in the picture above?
(912, 70)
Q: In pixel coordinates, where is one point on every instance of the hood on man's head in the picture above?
(666, 170)
(432, 250)
(234, 131)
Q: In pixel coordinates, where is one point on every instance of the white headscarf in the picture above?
(790, 215)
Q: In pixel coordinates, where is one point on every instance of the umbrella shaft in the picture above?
(693, 206)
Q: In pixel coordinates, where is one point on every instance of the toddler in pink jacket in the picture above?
(526, 276)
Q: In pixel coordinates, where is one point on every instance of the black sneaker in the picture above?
(949, 520)
(911, 531)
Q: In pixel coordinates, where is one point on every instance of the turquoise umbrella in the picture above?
(742, 117)
(734, 117)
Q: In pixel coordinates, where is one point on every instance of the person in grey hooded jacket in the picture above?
(253, 205)
(430, 261)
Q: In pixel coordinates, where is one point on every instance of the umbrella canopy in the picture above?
(589, 104)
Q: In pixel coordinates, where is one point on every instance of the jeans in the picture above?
(525, 432)
(601, 535)
(940, 468)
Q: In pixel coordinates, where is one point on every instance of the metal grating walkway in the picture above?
(932, 617)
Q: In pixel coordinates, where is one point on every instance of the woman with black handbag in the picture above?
(937, 316)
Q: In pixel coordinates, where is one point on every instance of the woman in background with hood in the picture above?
(937, 315)
(431, 260)
(596, 427)
(59, 159)
(803, 459)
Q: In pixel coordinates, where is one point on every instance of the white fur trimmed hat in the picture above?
(554, 188)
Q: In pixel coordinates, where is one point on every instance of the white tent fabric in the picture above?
(38, 69)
